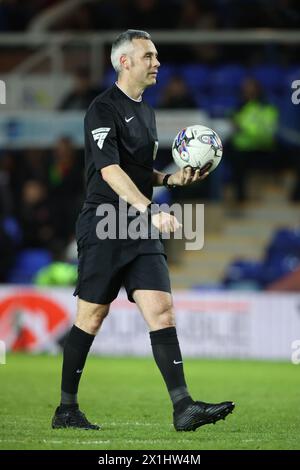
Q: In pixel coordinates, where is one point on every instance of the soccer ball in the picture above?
(197, 147)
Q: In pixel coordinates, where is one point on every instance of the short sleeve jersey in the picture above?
(122, 131)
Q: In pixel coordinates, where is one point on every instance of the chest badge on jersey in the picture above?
(100, 135)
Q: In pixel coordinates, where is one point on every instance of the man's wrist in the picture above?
(166, 182)
(153, 209)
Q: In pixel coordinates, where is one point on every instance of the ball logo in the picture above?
(181, 145)
(180, 137)
(183, 151)
(30, 321)
(211, 139)
(205, 139)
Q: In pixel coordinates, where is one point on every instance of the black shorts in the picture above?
(106, 265)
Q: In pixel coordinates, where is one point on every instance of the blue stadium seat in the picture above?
(222, 105)
(151, 96)
(27, 263)
(196, 76)
(285, 242)
(291, 73)
(271, 77)
(227, 78)
(165, 73)
(282, 257)
(243, 270)
(275, 99)
(12, 229)
(109, 78)
(278, 268)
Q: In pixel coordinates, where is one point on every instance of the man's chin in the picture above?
(152, 81)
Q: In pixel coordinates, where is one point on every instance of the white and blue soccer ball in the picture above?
(198, 147)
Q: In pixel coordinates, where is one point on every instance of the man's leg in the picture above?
(157, 310)
(88, 321)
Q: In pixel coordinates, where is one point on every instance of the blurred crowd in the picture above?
(41, 192)
(16, 15)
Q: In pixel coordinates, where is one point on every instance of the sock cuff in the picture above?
(78, 337)
(164, 336)
(177, 394)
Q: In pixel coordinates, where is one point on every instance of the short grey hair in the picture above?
(122, 45)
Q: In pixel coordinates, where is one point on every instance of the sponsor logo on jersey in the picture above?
(99, 135)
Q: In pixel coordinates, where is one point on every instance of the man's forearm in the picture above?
(120, 182)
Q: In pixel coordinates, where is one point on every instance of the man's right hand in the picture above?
(165, 222)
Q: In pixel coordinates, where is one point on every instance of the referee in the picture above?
(120, 146)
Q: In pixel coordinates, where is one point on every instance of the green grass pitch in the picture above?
(128, 398)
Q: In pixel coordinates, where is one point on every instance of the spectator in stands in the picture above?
(176, 95)
(66, 186)
(82, 94)
(6, 194)
(35, 216)
(289, 134)
(7, 251)
(7, 242)
(253, 145)
(35, 165)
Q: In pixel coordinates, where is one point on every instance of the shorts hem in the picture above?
(129, 294)
(92, 300)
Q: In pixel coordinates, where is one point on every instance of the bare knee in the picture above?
(163, 318)
(90, 316)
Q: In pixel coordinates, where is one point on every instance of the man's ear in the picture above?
(124, 61)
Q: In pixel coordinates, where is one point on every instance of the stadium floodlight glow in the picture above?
(2, 92)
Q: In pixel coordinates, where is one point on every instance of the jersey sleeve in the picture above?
(100, 128)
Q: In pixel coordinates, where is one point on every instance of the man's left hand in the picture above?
(186, 176)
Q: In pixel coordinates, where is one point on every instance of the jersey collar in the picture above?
(132, 99)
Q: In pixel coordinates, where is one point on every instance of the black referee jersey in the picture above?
(119, 130)
(122, 131)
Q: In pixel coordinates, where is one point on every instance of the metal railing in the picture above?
(53, 44)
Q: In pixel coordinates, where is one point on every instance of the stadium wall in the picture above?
(40, 129)
(210, 324)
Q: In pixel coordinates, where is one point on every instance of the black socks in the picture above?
(166, 352)
(77, 346)
(167, 355)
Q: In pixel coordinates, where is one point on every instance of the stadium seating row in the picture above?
(217, 89)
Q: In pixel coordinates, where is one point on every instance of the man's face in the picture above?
(143, 63)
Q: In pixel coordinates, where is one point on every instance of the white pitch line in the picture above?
(129, 423)
(50, 441)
